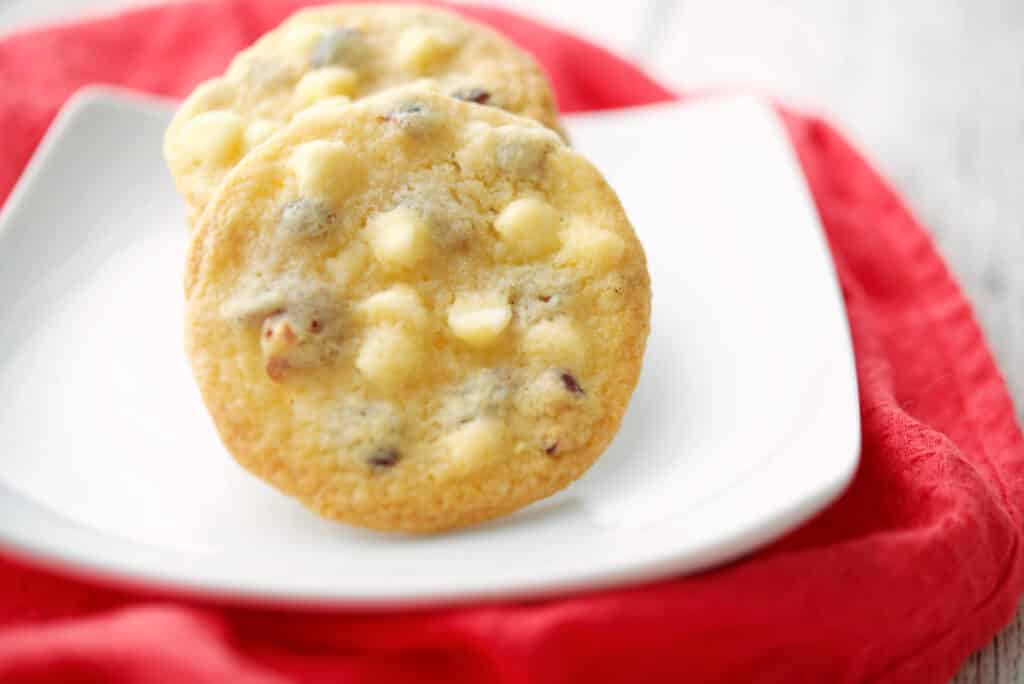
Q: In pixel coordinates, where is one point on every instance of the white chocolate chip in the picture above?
(323, 83)
(528, 227)
(478, 130)
(473, 445)
(399, 238)
(479, 319)
(323, 113)
(258, 131)
(211, 139)
(266, 76)
(556, 341)
(300, 40)
(418, 49)
(390, 357)
(523, 150)
(327, 170)
(590, 248)
(348, 264)
(217, 93)
(398, 304)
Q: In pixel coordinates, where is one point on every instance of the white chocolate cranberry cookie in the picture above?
(347, 52)
(415, 313)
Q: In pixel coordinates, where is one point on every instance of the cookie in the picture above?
(346, 51)
(416, 313)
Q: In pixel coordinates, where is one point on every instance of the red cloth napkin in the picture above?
(912, 569)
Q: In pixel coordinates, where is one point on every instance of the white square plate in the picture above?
(745, 422)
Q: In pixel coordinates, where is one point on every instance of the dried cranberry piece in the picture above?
(474, 94)
(570, 382)
(384, 458)
(276, 368)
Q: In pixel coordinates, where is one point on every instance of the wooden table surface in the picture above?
(932, 90)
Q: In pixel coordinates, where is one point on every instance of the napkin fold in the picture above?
(914, 567)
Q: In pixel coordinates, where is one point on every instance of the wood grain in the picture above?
(932, 90)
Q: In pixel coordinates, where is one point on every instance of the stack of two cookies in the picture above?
(409, 303)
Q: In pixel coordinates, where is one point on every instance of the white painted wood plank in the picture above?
(933, 92)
